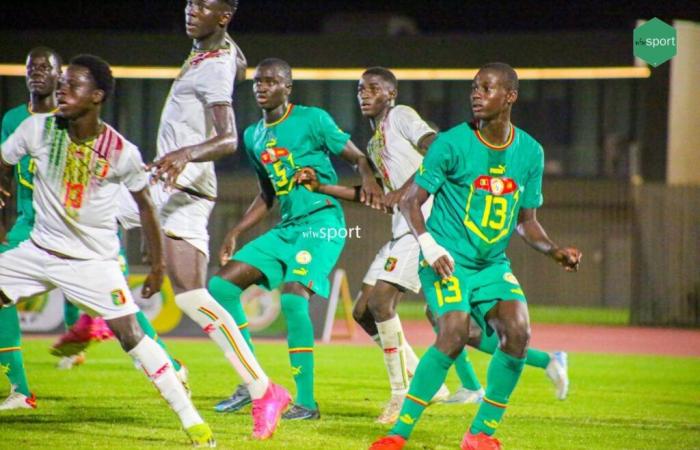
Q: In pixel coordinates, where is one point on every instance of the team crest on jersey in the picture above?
(118, 297)
(390, 264)
(303, 257)
(496, 185)
(509, 277)
(272, 155)
(101, 168)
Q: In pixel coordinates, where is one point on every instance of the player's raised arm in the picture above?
(534, 234)
(410, 205)
(153, 237)
(371, 192)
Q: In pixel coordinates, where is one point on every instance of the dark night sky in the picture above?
(306, 16)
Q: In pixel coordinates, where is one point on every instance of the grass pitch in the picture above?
(616, 402)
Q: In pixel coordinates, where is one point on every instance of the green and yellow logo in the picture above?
(491, 423)
(655, 42)
(118, 297)
(296, 371)
(407, 419)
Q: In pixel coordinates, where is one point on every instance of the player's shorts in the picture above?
(397, 263)
(305, 251)
(470, 291)
(182, 215)
(97, 286)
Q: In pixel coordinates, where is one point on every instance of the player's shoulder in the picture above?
(308, 111)
(458, 133)
(526, 141)
(112, 141)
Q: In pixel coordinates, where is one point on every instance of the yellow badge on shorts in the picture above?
(509, 277)
(303, 257)
(390, 264)
(118, 297)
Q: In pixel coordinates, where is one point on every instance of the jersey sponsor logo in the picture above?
(390, 264)
(118, 297)
(301, 271)
(498, 170)
(303, 257)
(272, 155)
(496, 185)
(509, 277)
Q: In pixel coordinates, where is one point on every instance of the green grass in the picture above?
(616, 402)
(413, 310)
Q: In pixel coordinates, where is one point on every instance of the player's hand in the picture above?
(568, 257)
(153, 282)
(392, 198)
(437, 256)
(228, 247)
(371, 194)
(4, 194)
(306, 177)
(170, 166)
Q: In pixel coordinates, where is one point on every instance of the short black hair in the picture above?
(385, 74)
(232, 3)
(282, 65)
(511, 77)
(99, 70)
(42, 50)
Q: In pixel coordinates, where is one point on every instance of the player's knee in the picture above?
(381, 310)
(127, 331)
(451, 340)
(359, 312)
(516, 337)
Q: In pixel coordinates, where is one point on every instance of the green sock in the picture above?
(430, 374)
(300, 339)
(229, 297)
(534, 357)
(70, 314)
(501, 379)
(151, 333)
(11, 362)
(465, 372)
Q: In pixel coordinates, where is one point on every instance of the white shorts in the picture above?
(397, 263)
(181, 215)
(97, 286)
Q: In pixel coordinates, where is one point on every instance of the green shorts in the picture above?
(471, 291)
(305, 251)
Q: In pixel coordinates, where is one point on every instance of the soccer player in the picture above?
(486, 180)
(43, 71)
(299, 253)
(81, 163)
(197, 127)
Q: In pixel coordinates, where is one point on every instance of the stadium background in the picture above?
(618, 145)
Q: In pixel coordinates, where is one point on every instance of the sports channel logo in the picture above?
(654, 42)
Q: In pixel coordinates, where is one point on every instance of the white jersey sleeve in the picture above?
(409, 124)
(21, 142)
(214, 82)
(130, 170)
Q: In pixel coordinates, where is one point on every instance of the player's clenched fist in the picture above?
(306, 176)
(568, 257)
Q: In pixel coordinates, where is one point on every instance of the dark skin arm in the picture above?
(534, 234)
(371, 192)
(257, 210)
(151, 231)
(170, 166)
(410, 206)
(5, 181)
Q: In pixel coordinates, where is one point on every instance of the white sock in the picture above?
(377, 340)
(216, 322)
(411, 359)
(155, 363)
(393, 345)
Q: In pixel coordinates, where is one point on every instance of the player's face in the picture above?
(204, 17)
(489, 95)
(77, 92)
(270, 87)
(374, 95)
(42, 74)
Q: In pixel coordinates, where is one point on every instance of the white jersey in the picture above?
(76, 185)
(206, 78)
(394, 152)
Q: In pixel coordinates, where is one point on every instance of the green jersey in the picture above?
(24, 177)
(303, 137)
(479, 190)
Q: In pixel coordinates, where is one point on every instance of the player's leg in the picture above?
(362, 315)
(509, 319)
(470, 390)
(11, 361)
(450, 300)
(226, 287)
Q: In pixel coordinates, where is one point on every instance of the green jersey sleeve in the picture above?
(329, 134)
(436, 165)
(533, 187)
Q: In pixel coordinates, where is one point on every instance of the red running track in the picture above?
(573, 338)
